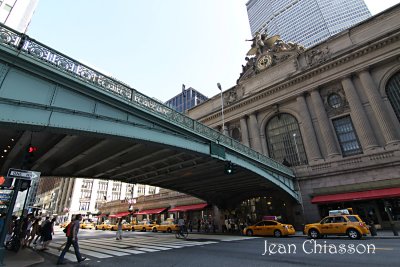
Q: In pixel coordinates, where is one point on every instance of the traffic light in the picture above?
(29, 154)
(32, 149)
(229, 168)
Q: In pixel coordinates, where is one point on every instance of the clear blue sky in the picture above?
(154, 45)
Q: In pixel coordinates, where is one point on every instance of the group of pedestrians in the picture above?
(22, 231)
(206, 225)
(235, 225)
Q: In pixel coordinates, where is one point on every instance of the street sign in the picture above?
(23, 174)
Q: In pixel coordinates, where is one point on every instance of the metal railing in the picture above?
(21, 43)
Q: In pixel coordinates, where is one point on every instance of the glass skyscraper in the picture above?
(186, 100)
(306, 22)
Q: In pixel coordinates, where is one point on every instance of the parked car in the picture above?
(166, 226)
(344, 224)
(125, 227)
(103, 226)
(143, 226)
(270, 228)
(87, 225)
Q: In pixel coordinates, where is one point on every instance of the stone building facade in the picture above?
(331, 112)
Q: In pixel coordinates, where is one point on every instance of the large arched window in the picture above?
(393, 93)
(236, 134)
(284, 140)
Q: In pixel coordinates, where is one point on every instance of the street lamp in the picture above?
(297, 149)
(222, 109)
(184, 98)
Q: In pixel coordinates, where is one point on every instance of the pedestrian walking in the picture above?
(34, 231)
(198, 225)
(190, 226)
(72, 239)
(38, 232)
(28, 230)
(63, 244)
(119, 230)
(47, 233)
(40, 236)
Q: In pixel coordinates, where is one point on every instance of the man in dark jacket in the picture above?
(72, 239)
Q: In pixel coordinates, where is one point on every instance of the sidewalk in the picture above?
(23, 258)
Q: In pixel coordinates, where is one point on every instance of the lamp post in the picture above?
(184, 98)
(222, 109)
(297, 149)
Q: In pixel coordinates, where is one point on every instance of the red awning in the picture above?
(353, 196)
(189, 207)
(119, 215)
(152, 211)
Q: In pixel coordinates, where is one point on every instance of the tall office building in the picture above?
(306, 22)
(186, 100)
(17, 13)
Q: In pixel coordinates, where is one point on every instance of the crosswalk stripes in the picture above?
(68, 256)
(109, 247)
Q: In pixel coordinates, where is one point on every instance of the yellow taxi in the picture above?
(338, 224)
(64, 224)
(125, 227)
(166, 226)
(269, 228)
(143, 226)
(87, 225)
(103, 226)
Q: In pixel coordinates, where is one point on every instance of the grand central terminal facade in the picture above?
(331, 112)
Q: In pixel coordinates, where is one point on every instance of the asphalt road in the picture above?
(158, 249)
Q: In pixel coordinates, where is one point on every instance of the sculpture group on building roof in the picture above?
(264, 53)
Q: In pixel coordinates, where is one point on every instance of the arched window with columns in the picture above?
(393, 93)
(284, 140)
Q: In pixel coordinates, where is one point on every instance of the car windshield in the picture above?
(353, 218)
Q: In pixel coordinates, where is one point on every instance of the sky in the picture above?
(154, 46)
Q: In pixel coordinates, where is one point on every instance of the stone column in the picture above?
(244, 131)
(225, 131)
(254, 133)
(264, 144)
(324, 125)
(379, 108)
(310, 140)
(359, 117)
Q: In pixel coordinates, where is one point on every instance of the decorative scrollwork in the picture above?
(64, 63)
(5, 37)
(86, 73)
(8, 37)
(36, 51)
